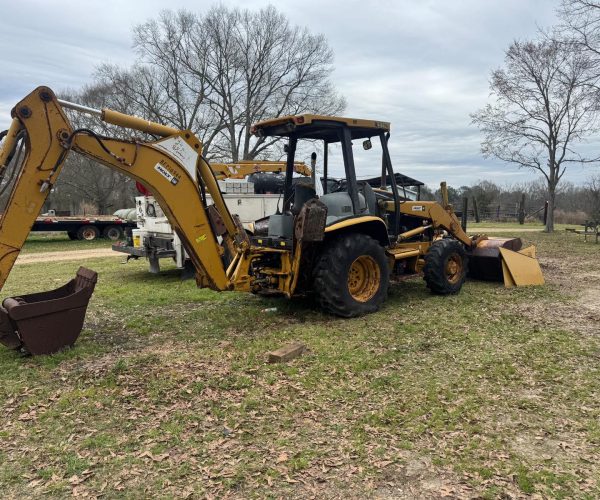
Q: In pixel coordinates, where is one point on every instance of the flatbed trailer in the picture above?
(84, 228)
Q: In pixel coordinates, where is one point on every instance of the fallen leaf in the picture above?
(75, 479)
(160, 458)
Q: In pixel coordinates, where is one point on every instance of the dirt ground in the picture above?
(37, 258)
(577, 279)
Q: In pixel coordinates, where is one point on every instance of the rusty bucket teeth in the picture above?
(485, 261)
(47, 322)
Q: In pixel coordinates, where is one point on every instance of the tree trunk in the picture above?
(551, 205)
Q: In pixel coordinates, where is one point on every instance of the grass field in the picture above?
(492, 392)
(515, 226)
(56, 242)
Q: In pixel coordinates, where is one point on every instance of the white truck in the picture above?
(154, 238)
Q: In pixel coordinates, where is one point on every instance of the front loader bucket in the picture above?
(521, 268)
(46, 322)
(485, 262)
(501, 259)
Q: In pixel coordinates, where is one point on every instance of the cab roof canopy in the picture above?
(321, 127)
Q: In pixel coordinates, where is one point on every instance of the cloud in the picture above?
(423, 66)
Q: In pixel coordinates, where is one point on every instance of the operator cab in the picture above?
(346, 198)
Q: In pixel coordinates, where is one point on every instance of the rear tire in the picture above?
(88, 233)
(445, 267)
(112, 233)
(351, 276)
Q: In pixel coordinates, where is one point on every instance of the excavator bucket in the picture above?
(501, 259)
(47, 322)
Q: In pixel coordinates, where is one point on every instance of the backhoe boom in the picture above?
(172, 167)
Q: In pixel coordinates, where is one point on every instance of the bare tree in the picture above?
(592, 189)
(544, 103)
(91, 184)
(265, 67)
(82, 181)
(215, 75)
(168, 83)
(580, 23)
(219, 73)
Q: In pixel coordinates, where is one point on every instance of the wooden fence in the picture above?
(515, 212)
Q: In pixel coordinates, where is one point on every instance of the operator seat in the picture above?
(366, 190)
(303, 191)
(339, 206)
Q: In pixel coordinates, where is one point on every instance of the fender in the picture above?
(365, 224)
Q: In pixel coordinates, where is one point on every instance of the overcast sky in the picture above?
(422, 65)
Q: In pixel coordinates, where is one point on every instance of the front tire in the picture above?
(445, 267)
(351, 276)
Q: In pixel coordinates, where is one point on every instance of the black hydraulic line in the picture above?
(384, 138)
(352, 188)
(20, 135)
(289, 172)
(17, 152)
(69, 144)
(325, 165)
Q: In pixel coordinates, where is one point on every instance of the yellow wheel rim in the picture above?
(454, 268)
(364, 278)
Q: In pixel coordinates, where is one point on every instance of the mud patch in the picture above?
(418, 478)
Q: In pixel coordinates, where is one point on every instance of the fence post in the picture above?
(475, 209)
(522, 210)
(463, 216)
(545, 213)
(444, 193)
(498, 213)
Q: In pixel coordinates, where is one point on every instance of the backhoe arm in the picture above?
(172, 168)
(440, 218)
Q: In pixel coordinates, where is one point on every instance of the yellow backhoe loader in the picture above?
(339, 240)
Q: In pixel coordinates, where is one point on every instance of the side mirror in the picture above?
(286, 148)
(367, 144)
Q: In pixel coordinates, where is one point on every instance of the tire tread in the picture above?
(434, 272)
(330, 275)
